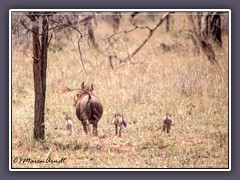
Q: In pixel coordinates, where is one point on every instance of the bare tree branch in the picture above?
(151, 31)
(74, 27)
(122, 33)
(25, 26)
(80, 53)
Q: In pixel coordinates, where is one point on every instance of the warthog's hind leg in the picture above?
(168, 128)
(120, 131)
(164, 127)
(86, 127)
(116, 127)
(95, 124)
(95, 132)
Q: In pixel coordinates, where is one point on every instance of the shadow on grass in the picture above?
(76, 146)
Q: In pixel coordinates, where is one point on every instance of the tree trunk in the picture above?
(216, 28)
(201, 38)
(39, 72)
(167, 23)
(204, 25)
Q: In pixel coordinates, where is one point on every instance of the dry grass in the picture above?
(179, 81)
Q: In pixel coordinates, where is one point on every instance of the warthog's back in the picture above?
(87, 108)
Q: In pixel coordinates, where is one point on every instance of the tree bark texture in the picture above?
(40, 45)
(204, 25)
(167, 23)
(216, 28)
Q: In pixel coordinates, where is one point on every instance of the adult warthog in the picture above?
(89, 108)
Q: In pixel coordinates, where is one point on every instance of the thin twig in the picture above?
(25, 26)
(35, 58)
(80, 53)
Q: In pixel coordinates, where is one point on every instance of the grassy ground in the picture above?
(179, 81)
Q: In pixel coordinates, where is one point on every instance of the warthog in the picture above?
(119, 121)
(68, 123)
(89, 108)
(167, 122)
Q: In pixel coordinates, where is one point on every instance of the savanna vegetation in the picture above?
(170, 73)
